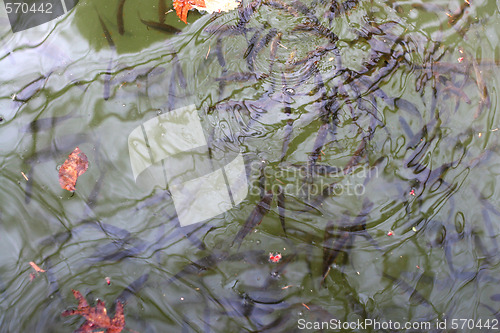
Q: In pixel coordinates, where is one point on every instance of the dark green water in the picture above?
(406, 104)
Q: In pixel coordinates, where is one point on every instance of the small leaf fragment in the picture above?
(36, 268)
(275, 258)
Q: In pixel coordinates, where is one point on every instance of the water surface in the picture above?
(401, 110)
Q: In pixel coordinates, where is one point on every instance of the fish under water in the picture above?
(45, 124)
(112, 46)
(213, 259)
(159, 26)
(254, 219)
(119, 17)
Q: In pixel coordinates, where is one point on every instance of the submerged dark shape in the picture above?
(281, 208)
(327, 112)
(278, 4)
(338, 8)
(287, 110)
(52, 279)
(162, 10)
(335, 243)
(112, 46)
(235, 77)
(31, 89)
(330, 189)
(254, 219)
(332, 247)
(219, 53)
(137, 73)
(251, 44)
(213, 259)
(130, 290)
(119, 17)
(274, 50)
(314, 55)
(45, 124)
(413, 293)
(319, 29)
(161, 27)
(260, 45)
(119, 250)
(178, 80)
(244, 14)
(188, 232)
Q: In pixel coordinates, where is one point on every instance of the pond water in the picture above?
(370, 140)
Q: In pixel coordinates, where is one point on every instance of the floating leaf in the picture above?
(97, 317)
(76, 164)
(183, 6)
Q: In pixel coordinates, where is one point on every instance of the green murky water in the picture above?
(401, 113)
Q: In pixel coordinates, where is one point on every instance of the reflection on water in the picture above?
(369, 136)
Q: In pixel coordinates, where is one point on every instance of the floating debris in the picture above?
(274, 258)
(36, 268)
(97, 317)
(75, 166)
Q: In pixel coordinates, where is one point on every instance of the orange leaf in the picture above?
(97, 317)
(76, 164)
(183, 6)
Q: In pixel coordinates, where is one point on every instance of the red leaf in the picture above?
(183, 6)
(76, 164)
(97, 317)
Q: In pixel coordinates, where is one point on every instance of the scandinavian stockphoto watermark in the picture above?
(171, 150)
(308, 181)
(369, 324)
(25, 14)
(361, 324)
